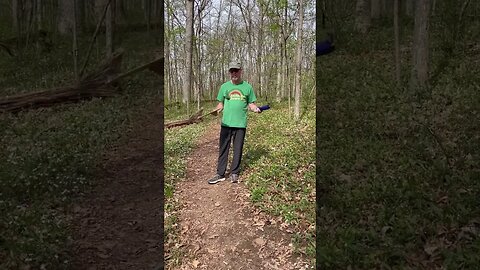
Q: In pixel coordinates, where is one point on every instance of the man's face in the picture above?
(235, 74)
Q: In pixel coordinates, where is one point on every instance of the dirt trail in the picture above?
(220, 229)
(118, 225)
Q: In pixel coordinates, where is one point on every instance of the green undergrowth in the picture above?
(178, 144)
(49, 155)
(279, 169)
(398, 169)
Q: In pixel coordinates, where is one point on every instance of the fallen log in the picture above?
(195, 118)
(103, 82)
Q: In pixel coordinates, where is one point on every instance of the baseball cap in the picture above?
(235, 64)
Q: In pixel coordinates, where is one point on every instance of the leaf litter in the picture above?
(233, 234)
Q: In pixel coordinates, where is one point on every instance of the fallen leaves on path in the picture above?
(220, 228)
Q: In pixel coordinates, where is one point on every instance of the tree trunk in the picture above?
(29, 9)
(80, 10)
(285, 85)
(199, 89)
(229, 41)
(387, 7)
(281, 68)
(75, 41)
(16, 17)
(38, 20)
(65, 18)
(94, 38)
(176, 84)
(109, 32)
(187, 82)
(98, 7)
(120, 14)
(362, 16)
(376, 9)
(298, 69)
(148, 13)
(39, 14)
(168, 72)
(258, 69)
(278, 96)
(222, 50)
(419, 77)
(168, 69)
(397, 42)
(409, 6)
(197, 72)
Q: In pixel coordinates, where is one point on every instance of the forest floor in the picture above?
(219, 227)
(117, 225)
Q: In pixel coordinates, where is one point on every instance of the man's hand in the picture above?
(219, 107)
(253, 107)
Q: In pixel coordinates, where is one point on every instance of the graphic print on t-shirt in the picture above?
(236, 95)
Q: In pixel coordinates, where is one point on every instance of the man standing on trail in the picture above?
(235, 98)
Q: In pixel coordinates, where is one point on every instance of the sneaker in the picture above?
(217, 178)
(234, 178)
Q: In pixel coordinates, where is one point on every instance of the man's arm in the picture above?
(219, 106)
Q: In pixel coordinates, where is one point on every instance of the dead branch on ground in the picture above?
(195, 118)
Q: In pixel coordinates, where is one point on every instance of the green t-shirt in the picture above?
(235, 98)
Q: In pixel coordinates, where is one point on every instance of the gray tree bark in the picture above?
(109, 32)
(387, 7)
(298, 67)
(258, 71)
(75, 41)
(120, 14)
(285, 35)
(39, 10)
(65, 16)
(397, 41)
(168, 70)
(15, 16)
(147, 8)
(409, 7)
(187, 82)
(280, 67)
(419, 78)
(38, 19)
(376, 9)
(80, 10)
(362, 16)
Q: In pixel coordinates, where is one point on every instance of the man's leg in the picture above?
(237, 149)
(223, 149)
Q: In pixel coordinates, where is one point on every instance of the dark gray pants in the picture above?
(227, 134)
